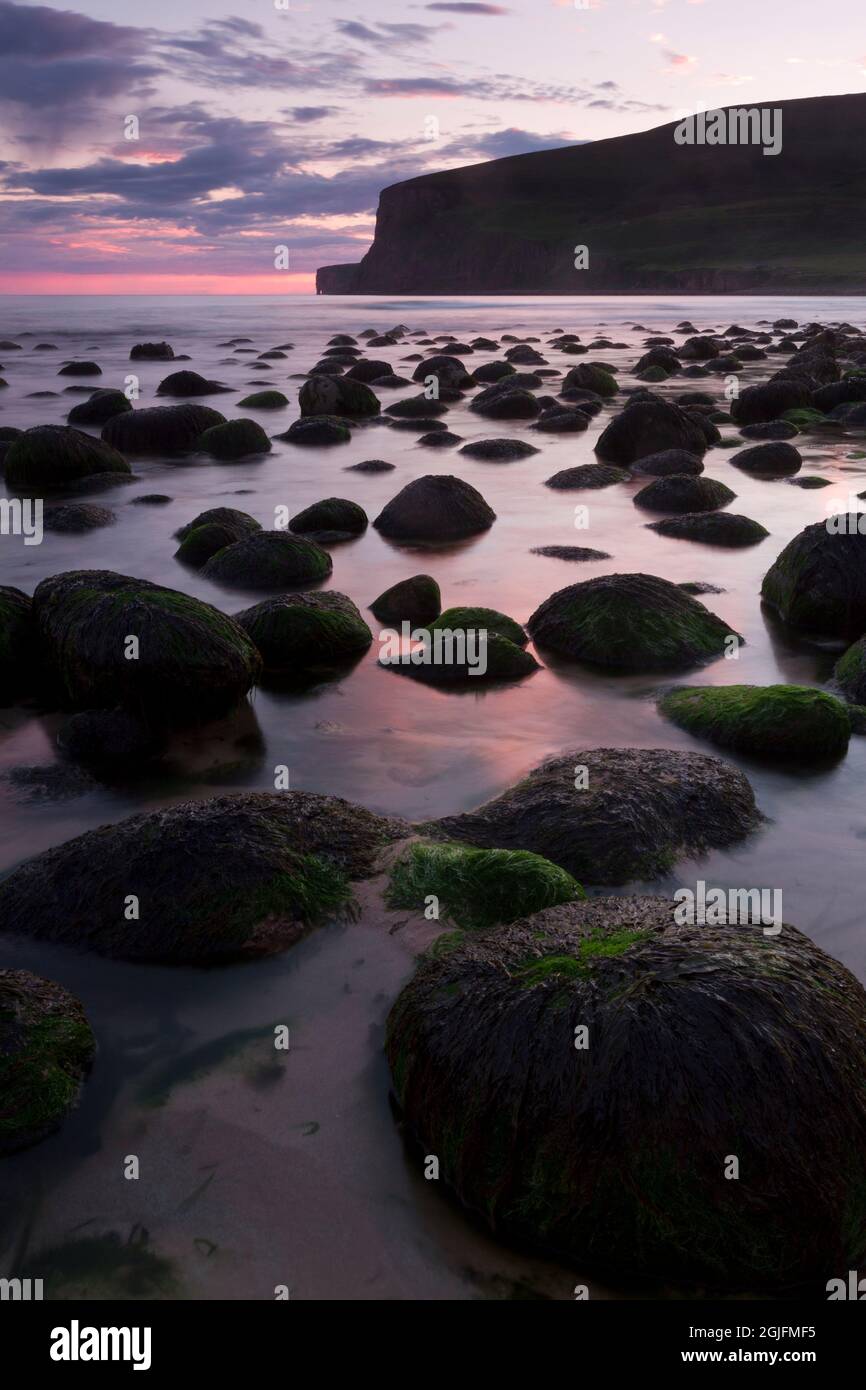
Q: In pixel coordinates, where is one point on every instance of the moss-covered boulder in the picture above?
(80, 369)
(264, 400)
(437, 507)
(771, 721)
(212, 531)
(187, 383)
(332, 519)
(849, 674)
(818, 583)
(466, 617)
(214, 879)
(152, 352)
(269, 560)
(49, 458)
(614, 815)
(17, 650)
(477, 888)
(449, 371)
(680, 492)
(416, 407)
(588, 376)
(236, 439)
(770, 400)
(46, 1049)
(416, 600)
(775, 459)
(76, 518)
(299, 631)
(461, 657)
(317, 430)
(188, 661)
(626, 1060)
(160, 429)
(712, 528)
(587, 475)
(629, 622)
(499, 450)
(506, 400)
(101, 406)
(649, 427)
(328, 395)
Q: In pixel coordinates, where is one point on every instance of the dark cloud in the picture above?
(307, 114)
(55, 59)
(501, 143)
(385, 36)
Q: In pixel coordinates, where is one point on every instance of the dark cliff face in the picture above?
(656, 217)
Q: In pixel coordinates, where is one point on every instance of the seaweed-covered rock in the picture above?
(773, 721)
(505, 400)
(670, 461)
(569, 552)
(415, 408)
(588, 376)
(46, 1049)
(649, 427)
(17, 651)
(818, 583)
(187, 383)
(477, 888)
(151, 352)
(302, 630)
(498, 450)
(160, 429)
(48, 458)
(269, 560)
(214, 879)
(770, 429)
(703, 1041)
(328, 395)
(437, 507)
(448, 371)
(849, 673)
(679, 492)
(488, 620)
(416, 600)
(587, 475)
(369, 370)
(101, 406)
(611, 815)
(562, 420)
(629, 622)
(80, 369)
(77, 517)
(466, 657)
(712, 528)
(768, 401)
(317, 430)
(190, 661)
(775, 459)
(234, 440)
(212, 531)
(334, 518)
(264, 400)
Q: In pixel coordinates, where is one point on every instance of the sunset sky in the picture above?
(260, 126)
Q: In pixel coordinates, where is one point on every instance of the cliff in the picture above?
(657, 217)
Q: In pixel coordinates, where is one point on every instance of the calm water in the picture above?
(231, 1158)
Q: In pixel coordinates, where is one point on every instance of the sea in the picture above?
(251, 1177)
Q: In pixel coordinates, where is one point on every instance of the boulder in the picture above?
(50, 458)
(215, 879)
(679, 492)
(334, 518)
(264, 400)
(712, 528)
(850, 672)
(235, 439)
(437, 507)
(212, 531)
(193, 662)
(775, 459)
(416, 601)
(498, 450)
(46, 1050)
(269, 560)
(297, 631)
(629, 622)
(788, 722)
(101, 406)
(614, 1156)
(670, 461)
(818, 583)
(17, 647)
(339, 396)
(649, 427)
(160, 429)
(317, 430)
(186, 383)
(448, 371)
(587, 475)
(758, 404)
(151, 352)
(590, 376)
(75, 518)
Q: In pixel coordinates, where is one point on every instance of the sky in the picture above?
(183, 146)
